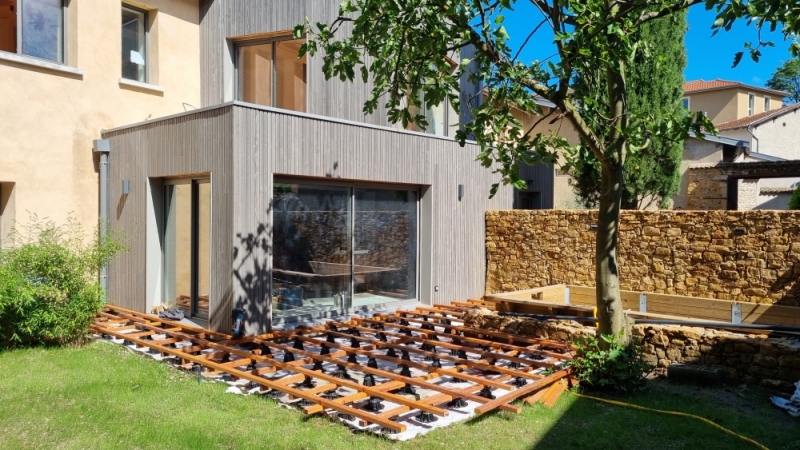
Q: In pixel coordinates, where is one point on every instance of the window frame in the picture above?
(352, 186)
(751, 103)
(63, 38)
(146, 55)
(767, 103)
(271, 39)
(687, 102)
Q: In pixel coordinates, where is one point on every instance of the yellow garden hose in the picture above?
(673, 413)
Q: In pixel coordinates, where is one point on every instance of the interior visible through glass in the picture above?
(134, 65)
(187, 247)
(385, 239)
(43, 29)
(315, 266)
(311, 259)
(270, 74)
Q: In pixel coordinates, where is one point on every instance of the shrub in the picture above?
(49, 289)
(620, 368)
(794, 203)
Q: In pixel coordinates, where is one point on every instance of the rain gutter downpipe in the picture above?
(103, 147)
(754, 136)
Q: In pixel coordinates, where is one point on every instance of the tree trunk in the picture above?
(609, 303)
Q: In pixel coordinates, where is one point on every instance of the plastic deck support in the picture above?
(374, 404)
(369, 380)
(341, 372)
(426, 417)
(372, 363)
(355, 343)
(202, 339)
(486, 392)
(288, 357)
(351, 358)
(457, 403)
(308, 383)
(405, 371)
(298, 344)
(331, 339)
(324, 350)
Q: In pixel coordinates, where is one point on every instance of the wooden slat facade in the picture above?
(223, 23)
(244, 147)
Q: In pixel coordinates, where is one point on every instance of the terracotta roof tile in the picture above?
(756, 118)
(702, 85)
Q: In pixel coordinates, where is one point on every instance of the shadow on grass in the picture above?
(579, 422)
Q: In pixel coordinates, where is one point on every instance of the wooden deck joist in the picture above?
(221, 353)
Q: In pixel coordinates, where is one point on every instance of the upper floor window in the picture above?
(271, 74)
(436, 116)
(686, 103)
(33, 28)
(134, 44)
(766, 103)
(751, 104)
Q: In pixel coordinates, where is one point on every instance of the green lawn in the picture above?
(102, 396)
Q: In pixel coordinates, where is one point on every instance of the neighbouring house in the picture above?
(240, 176)
(754, 126)
(547, 186)
(724, 101)
(68, 72)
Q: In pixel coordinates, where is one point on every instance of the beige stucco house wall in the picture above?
(723, 105)
(52, 112)
(563, 194)
(779, 136)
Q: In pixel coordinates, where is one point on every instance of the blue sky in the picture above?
(708, 57)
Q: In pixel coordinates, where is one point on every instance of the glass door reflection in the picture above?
(385, 246)
(187, 245)
(312, 249)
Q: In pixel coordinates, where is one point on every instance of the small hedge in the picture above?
(794, 203)
(612, 367)
(49, 289)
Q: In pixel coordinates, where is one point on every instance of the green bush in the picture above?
(620, 368)
(49, 289)
(794, 203)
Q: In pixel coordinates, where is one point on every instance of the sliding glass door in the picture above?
(336, 246)
(187, 245)
(385, 239)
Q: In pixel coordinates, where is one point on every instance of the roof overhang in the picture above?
(720, 139)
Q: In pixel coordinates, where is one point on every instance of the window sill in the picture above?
(142, 87)
(31, 62)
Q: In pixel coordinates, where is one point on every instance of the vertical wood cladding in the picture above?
(245, 147)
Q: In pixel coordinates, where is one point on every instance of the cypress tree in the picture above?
(655, 86)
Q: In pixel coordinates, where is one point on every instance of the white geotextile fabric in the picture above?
(413, 426)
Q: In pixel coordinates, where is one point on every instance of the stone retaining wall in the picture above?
(692, 253)
(753, 359)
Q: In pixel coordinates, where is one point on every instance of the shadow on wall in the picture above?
(252, 273)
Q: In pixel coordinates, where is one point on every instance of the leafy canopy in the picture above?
(655, 85)
(406, 47)
(787, 78)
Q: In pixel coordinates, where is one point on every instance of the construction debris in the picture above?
(399, 374)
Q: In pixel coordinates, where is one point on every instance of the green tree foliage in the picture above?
(787, 78)
(49, 290)
(404, 48)
(655, 84)
(608, 364)
(794, 203)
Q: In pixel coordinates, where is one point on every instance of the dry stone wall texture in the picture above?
(692, 253)
(754, 359)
